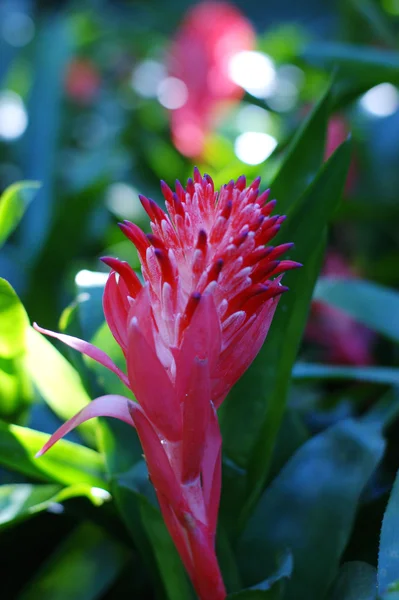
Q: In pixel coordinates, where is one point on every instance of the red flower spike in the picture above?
(136, 236)
(126, 272)
(188, 334)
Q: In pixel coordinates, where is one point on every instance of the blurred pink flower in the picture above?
(337, 133)
(210, 35)
(343, 340)
(211, 287)
(82, 80)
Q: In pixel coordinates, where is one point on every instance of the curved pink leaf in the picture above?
(104, 406)
(86, 348)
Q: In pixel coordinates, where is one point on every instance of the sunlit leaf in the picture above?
(20, 501)
(65, 463)
(13, 203)
(57, 381)
(13, 322)
(16, 393)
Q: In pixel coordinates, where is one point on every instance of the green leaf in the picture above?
(42, 135)
(310, 508)
(373, 305)
(272, 594)
(20, 501)
(170, 566)
(83, 567)
(304, 156)
(271, 588)
(356, 581)
(16, 393)
(65, 463)
(57, 381)
(388, 556)
(377, 19)
(13, 322)
(382, 375)
(146, 526)
(250, 428)
(227, 561)
(366, 63)
(90, 290)
(15, 388)
(13, 203)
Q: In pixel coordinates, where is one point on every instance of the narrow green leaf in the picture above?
(169, 563)
(366, 63)
(369, 303)
(16, 393)
(65, 463)
(20, 501)
(310, 508)
(57, 381)
(377, 19)
(383, 375)
(83, 567)
(44, 107)
(388, 557)
(13, 203)
(304, 156)
(13, 322)
(250, 428)
(356, 581)
(227, 561)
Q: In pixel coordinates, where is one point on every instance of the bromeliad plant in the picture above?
(212, 283)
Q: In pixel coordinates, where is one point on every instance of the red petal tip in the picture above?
(110, 261)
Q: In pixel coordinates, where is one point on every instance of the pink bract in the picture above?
(211, 286)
